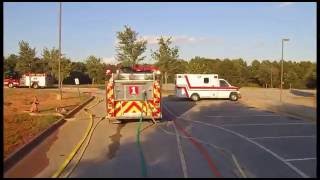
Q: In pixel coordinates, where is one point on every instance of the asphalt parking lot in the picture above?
(209, 138)
(266, 144)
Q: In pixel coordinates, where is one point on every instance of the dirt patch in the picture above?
(19, 126)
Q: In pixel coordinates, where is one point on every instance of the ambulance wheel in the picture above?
(10, 85)
(233, 97)
(35, 85)
(195, 97)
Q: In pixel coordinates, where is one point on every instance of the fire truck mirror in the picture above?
(108, 77)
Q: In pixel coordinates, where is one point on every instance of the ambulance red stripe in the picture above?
(203, 87)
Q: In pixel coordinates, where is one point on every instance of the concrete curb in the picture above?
(298, 92)
(18, 154)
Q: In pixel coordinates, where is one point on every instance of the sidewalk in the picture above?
(46, 158)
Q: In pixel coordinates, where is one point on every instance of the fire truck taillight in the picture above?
(108, 71)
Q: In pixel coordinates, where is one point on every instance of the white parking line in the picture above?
(266, 115)
(303, 159)
(268, 124)
(181, 154)
(298, 171)
(295, 169)
(280, 137)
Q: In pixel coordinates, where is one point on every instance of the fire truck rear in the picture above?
(133, 93)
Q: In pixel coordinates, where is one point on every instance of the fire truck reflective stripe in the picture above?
(116, 111)
(120, 109)
(156, 91)
(110, 100)
(136, 107)
(156, 100)
(110, 93)
(156, 95)
(116, 107)
(155, 108)
(131, 106)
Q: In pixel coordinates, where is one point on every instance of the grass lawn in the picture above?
(19, 126)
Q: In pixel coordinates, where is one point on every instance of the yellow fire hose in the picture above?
(76, 149)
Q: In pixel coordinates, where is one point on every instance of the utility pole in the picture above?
(165, 77)
(282, 69)
(60, 90)
(29, 75)
(271, 86)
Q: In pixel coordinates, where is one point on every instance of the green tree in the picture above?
(275, 69)
(263, 75)
(182, 66)
(95, 69)
(10, 62)
(52, 59)
(78, 70)
(26, 62)
(51, 56)
(195, 66)
(253, 71)
(79, 67)
(312, 80)
(239, 72)
(130, 49)
(166, 58)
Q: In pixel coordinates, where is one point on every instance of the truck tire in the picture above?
(233, 97)
(35, 86)
(195, 97)
(10, 85)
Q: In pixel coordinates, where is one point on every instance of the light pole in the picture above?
(29, 75)
(282, 70)
(60, 90)
(271, 85)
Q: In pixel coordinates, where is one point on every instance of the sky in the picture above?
(213, 30)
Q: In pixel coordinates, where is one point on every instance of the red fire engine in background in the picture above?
(34, 80)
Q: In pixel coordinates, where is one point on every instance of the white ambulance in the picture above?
(197, 86)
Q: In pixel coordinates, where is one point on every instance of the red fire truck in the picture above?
(132, 93)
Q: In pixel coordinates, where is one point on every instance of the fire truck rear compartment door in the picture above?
(129, 91)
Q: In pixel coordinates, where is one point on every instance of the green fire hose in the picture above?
(142, 159)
